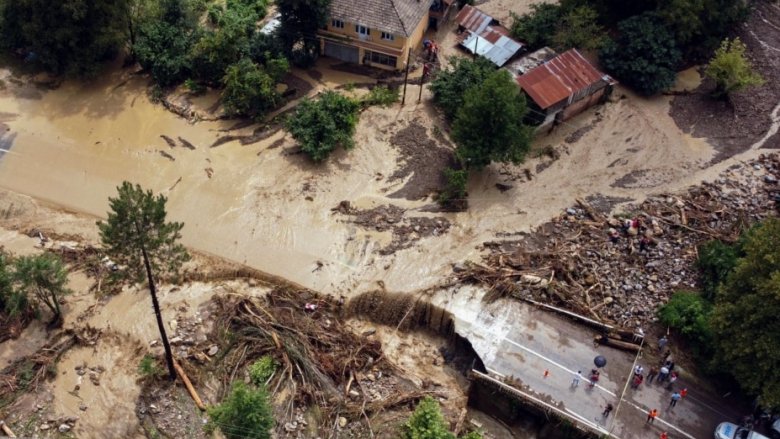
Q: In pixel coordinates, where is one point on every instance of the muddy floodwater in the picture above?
(267, 206)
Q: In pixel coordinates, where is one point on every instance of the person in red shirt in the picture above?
(664, 435)
(683, 393)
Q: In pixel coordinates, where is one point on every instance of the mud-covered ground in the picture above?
(734, 126)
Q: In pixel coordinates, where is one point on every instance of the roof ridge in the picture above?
(398, 14)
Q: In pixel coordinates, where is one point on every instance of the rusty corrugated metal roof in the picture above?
(559, 78)
(481, 38)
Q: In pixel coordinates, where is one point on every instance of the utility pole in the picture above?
(422, 81)
(406, 77)
(625, 387)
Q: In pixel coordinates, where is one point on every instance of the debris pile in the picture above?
(405, 230)
(322, 362)
(600, 267)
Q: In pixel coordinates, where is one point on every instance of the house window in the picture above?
(362, 30)
(338, 24)
(388, 37)
(380, 58)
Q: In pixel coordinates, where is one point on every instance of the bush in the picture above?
(731, 69)
(262, 370)
(322, 125)
(245, 414)
(690, 314)
(453, 196)
(148, 367)
(426, 422)
(645, 55)
(450, 85)
(250, 88)
(381, 95)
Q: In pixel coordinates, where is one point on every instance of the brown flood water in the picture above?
(271, 208)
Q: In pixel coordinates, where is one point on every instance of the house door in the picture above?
(342, 52)
(363, 32)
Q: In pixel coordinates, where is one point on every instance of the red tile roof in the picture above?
(559, 78)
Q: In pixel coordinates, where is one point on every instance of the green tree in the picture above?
(137, 237)
(538, 27)
(322, 125)
(300, 20)
(700, 25)
(496, 107)
(579, 28)
(250, 88)
(164, 45)
(745, 323)
(645, 55)
(231, 41)
(690, 314)
(244, 414)
(716, 261)
(72, 37)
(12, 301)
(453, 196)
(43, 277)
(731, 69)
(450, 84)
(426, 422)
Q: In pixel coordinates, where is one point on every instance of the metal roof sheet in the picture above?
(559, 78)
(492, 42)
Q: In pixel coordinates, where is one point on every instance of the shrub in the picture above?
(426, 422)
(731, 69)
(244, 414)
(454, 194)
(250, 88)
(538, 27)
(262, 370)
(690, 314)
(324, 124)
(716, 261)
(148, 367)
(381, 95)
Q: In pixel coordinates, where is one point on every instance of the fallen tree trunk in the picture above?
(188, 384)
(6, 430)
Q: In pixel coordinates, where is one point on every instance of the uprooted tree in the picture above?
(137, 237)
(43, 277)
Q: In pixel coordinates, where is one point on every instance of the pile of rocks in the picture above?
(620, 280)
(62, 423)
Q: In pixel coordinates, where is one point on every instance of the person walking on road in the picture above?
(638, 371)
(666, 355)
(662, 344)
(663, 374)
(664, 435)
(675, 397)
(651, 416)
(607, 409)
(576, 380)
(683, 394)
(652, 374)
(594, 377)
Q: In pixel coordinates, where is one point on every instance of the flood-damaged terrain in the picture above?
(362, 234)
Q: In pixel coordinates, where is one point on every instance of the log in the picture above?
(6, 430)
(592, 213)
(623, 345)
(188, 384)
(459, 424)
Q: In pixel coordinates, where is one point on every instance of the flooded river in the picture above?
(270, 208)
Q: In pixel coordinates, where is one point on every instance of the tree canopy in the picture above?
(324, 124)
(137, 223)
(43, 277)
(244, 414)
(745, 323)
(579, 28)
(450, 85)
(300, 20)
(731, 69)
(72, 37)
(537, 28)
(250, 88)
(496, 107)
(12, 301)
(645, 55)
